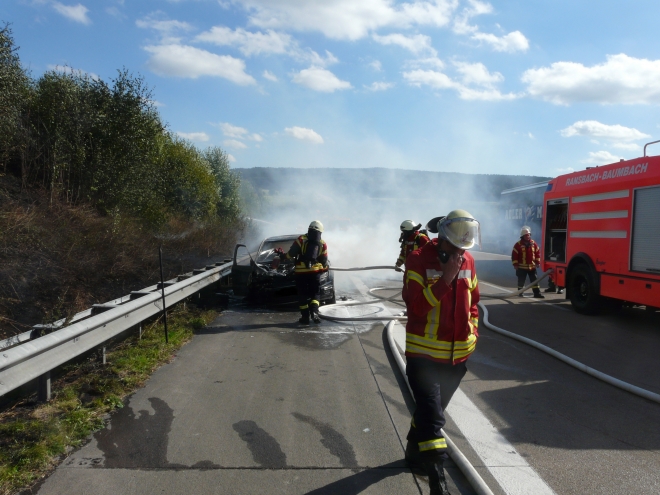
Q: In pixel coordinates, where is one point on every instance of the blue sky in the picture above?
(518, 87)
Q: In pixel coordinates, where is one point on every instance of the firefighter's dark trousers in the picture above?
(433, 385)
(522, 275)
(309, 293)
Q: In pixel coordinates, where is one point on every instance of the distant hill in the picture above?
(380, 183)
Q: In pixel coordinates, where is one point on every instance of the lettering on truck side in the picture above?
(640, 168)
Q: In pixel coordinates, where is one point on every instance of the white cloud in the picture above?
(433, 62)
(601, 158)
(512, 42)
(77, 13)
(233, 143)
(621, 79)
(320, 79)
(194, 136)
(304, 134)
(379, 86)
(233, 131)
(270, 76)
(231, 157)
(471, 74)
(248, 43)
(597, 130)
(376, 65)
(165, 27)
(347, 19)
(187, 61)
(530, 135)
(478, 74)
(417, 44)
(567, 170)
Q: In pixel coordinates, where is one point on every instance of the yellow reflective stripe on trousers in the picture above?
(437, 443)
(303, 307)
(313, 302)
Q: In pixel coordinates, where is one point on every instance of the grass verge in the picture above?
(34, 438)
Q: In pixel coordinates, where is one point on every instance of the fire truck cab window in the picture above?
(556, 224)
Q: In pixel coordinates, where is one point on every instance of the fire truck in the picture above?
(601, 234)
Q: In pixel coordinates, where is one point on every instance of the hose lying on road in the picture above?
(572, 362)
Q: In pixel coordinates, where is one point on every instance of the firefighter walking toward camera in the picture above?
(411, 239)
(526, 256)
(441, 298)
(311, 255)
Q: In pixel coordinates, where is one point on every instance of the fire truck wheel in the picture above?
(584, 296)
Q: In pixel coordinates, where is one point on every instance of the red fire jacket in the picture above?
(413, 243)
(443, 319)
(299, 247)
(526, 256)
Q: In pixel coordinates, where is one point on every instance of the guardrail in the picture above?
(34, 356)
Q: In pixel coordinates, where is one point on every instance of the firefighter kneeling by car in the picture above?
(441, 295)
(311, 255)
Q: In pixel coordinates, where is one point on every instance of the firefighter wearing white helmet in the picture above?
(411, 238)
(441, 295)
(525, 257)
(311, 254)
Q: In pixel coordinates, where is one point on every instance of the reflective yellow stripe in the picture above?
(433, 322)
(474, 283)
(437, 443)
(440, 349)
(416, 277)
(303, 307)
(430, 297)
(314, 302)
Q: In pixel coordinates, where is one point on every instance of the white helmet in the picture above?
(525, 230)
(410, 226)
(316, 225)
(460, 228)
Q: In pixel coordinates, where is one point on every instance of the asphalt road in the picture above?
(255, 404)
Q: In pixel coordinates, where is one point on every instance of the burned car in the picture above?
(263, 277)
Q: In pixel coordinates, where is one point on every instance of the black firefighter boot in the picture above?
(314, 310)
(304, 318)
(414, 458)
(436, 474)
(537, 294)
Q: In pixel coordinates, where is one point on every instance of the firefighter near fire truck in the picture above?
(441, 295)
(525, 257)
(310, 253)
(411, 239)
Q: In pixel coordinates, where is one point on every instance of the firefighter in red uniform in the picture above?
(441, 298)
(311, 255)
(526, 256)
(411, 239)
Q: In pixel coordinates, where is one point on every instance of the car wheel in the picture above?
(583, 295)
(333, 299)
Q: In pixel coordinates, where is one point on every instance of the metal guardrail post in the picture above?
(43, 394)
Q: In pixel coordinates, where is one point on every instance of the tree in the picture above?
(227, 183)
(14, 92)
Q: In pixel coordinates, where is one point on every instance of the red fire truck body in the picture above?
(601, 233)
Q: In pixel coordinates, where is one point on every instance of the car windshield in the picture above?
(268, 249)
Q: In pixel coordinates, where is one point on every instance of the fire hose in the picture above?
(628, 387)
(457, 456)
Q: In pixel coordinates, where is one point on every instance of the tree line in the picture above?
(88, 141)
